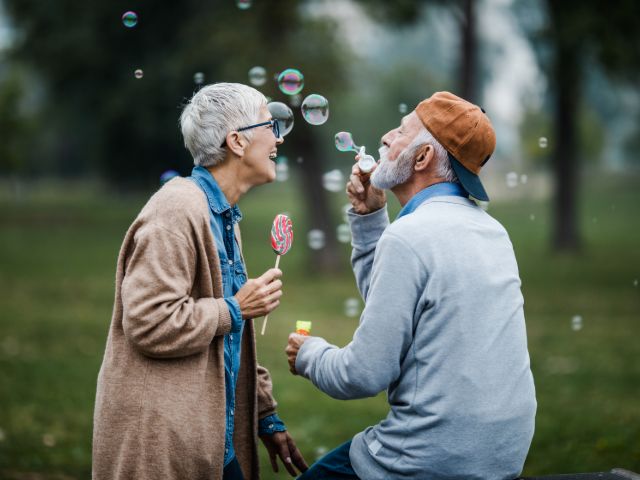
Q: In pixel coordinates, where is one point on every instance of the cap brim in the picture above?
(469, 180)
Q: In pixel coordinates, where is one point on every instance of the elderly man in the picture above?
(443, 326)
(180, 394)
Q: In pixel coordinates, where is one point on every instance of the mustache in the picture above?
(383, 151)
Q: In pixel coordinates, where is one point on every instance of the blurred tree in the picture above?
(14, 125)
(406, 12)
(576, 32)
(102, 119)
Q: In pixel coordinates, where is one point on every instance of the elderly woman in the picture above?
(180, 394)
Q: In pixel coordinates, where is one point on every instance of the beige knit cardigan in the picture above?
(160, 400)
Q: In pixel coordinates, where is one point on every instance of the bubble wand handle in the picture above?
(266, 317)
(366, 162)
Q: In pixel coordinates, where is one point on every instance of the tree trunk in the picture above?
(468, 52)
(326, 259)
(566, 77)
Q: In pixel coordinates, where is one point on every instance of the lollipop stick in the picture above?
(266, 317)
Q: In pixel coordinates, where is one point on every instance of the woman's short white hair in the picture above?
(213, 112)
(443, 169)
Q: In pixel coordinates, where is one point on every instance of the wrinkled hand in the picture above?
(260, 296)
(293, 347)
(280, 444)
(364, 197)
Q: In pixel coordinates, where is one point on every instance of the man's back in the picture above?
(463, 404)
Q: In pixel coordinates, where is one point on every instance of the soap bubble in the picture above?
(283, 114)
(352, 307)
(402, 108)
(243, 4)
(295, 100)
(129, 19)
(291, 81)
(333, 181)
(315, 109)
(316, 239)
(343, 233)
(48, 440)
(321, 452)
(512, 179)
(299, 160)
(635, 282)
(576, 323)
(257, 76)
(168, 175)
(543, 142)
(198, 78)
(282, 169)
(344, 142)
(345, 212)
(524, 178)
(138, 73)
(532, 217)
(2, 435)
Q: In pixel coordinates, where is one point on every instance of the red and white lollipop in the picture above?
(281, 240)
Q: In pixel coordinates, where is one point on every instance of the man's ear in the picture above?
(424, 157)
(236, 143)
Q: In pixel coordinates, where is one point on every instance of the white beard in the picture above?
(388, 174)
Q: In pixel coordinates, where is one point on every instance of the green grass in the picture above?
(57, 264)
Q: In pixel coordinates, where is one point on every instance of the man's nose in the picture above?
(280, 140)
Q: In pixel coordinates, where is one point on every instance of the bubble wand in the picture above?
(344, 143)
(281, 240)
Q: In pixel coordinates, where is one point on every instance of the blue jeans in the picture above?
(334, 465)
(232, 471)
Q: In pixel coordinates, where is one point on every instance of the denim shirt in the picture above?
(444, 189)
(223, 217)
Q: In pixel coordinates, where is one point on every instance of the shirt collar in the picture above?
(215, 196)
(444, 189)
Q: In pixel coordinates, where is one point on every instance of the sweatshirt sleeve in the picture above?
(365, 233)
(160, 317)
(266, 403)
(372, 360)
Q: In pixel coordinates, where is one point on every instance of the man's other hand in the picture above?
(280, 444)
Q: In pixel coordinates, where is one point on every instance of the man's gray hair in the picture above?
(213, 112)
(443, 168)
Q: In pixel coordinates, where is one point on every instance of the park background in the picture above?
(83, 143)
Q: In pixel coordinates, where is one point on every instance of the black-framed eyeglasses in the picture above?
(274, 127)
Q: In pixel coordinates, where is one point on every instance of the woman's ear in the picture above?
(424, 156)
(236, 143)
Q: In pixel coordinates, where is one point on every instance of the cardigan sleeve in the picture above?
(160, 318)
(266, 403)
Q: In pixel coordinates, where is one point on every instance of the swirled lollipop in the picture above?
(281, 240)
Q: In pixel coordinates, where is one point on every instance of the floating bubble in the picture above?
(524, 178)
(352, 307)
(198, 78)
(532, 217)
(402, 108)
(2, 435)
(168, 175)
(291, 81)
(129, 19)
(48, 440)
(345, 212)
(594, 219)
(543, 142)
(243, 4)
(635, 282)
(512, 179)
(299, 160)
(315, 109)
(333, 181)
(316, 239)
(295, 100)
(321, 452)
(138, 73)
(576, 323)
(343, 233)
(257, 76)
(282, 169)
(283, 114)
(344, 142)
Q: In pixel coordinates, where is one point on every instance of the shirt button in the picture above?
(271, 425)
(228, 227)
(230, 262)
(226, 450)
(232, 412)
(232, 374)
(231, 338)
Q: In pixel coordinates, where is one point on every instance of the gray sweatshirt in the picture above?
(443, 332)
